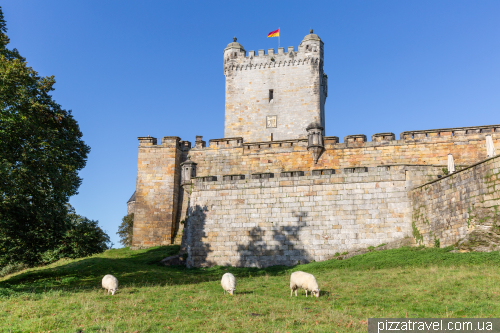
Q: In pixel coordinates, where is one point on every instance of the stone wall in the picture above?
(446, 210)
(161, 204)
(283, 220)
(157, 190)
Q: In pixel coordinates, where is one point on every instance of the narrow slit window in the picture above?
(271, 95)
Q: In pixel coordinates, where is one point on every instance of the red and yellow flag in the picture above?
(275, 33)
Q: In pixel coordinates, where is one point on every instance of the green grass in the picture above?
(413, 282)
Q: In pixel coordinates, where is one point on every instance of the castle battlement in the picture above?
(443, 132)
(272, 62)
(424, 173)
(310, 52)
(332, 142)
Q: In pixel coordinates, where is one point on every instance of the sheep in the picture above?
(305, 281)
(110, 283)
(228, 283)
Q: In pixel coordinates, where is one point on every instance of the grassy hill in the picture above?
(406, 282)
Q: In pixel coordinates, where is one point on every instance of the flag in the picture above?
(275, 33)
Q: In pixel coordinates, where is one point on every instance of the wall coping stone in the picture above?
(458, 171)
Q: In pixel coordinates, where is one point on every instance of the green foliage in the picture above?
(41, 152)
(371, 248)
(12, 268)
(416, 234)
(83, 238)
(445, 171)
(437, 243)
(125, 230)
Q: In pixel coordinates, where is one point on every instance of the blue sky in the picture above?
(130, 68)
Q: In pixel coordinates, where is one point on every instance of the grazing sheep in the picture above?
(228, 283)
(110, 283)
(305, 281)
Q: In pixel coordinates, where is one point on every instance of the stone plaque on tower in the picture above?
(271, 121)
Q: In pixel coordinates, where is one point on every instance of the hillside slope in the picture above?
(413, 282)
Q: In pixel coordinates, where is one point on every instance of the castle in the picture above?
(276, 191)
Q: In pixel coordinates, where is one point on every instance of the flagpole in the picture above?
(279, 36)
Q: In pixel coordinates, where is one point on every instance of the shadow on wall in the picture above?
(268, 244)
(275, 245)
(194, 228)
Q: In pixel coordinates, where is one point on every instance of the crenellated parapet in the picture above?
(444, 132)
(309, 52)
(331, 142)
(225, 143)
(272, 60)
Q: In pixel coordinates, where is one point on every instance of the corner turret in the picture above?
(312, 45)
(234, 50)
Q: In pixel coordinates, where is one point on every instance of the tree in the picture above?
(82, 238)
(125, 230)
(41, 152)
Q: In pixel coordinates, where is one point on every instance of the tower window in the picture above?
(271, 95)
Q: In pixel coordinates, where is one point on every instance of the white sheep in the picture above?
(110, 283)
(305, 281)
(228, 283)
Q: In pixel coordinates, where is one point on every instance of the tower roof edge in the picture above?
(235, 45)
(311, 36)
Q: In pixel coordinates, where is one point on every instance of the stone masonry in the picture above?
(447, 209)
(157, 190)
(256, 199)
(284, 220)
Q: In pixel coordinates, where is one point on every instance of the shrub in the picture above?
(12, 268)
(83, 238)
(437, 243)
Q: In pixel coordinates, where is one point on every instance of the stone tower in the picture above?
(274, 96)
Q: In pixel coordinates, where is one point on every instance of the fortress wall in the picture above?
(159, 203)
(284, 220)
(231, 156)
(157, 190)
(448, 208)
